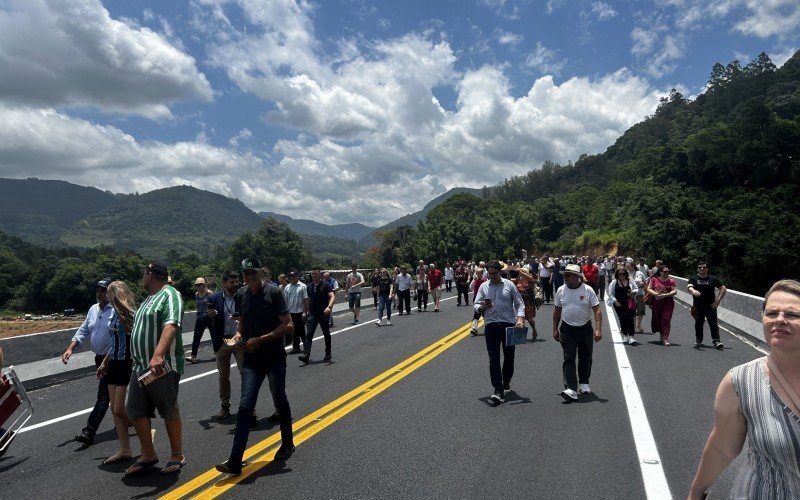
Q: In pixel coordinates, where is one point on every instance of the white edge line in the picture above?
(189, 379)
(655, 482)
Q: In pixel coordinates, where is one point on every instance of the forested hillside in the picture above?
(717, 178)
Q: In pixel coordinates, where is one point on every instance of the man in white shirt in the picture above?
(403, 286)
(546, 276)
(502, 306)
(449, 274)
(575, 304)
(354, 280)
(296, 295)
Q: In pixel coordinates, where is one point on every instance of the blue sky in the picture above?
(348, 111)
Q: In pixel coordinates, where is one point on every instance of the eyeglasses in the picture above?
(702, 267)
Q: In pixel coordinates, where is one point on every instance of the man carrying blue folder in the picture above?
(502, 307)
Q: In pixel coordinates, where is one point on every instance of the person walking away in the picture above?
(545, 275)
(354, 281)
(621, 296)
(116, 366)
(501, 305)
(265, 320)
(575, 304)
(663, 290)
(435, 283)
(296, 296)
(422, 287)
(402, 288)
(558, 269)
(462, 282)
(320, 305)
(201, 297)
(449, 274)
(757, 402)
(703, 287)
(480, 277)
(95, 328)
(640, 279)
(223, 316)
(528, 284)
(156, 325)
(376, 275)
(385, 296)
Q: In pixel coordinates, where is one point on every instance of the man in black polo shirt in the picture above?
(265, 320)
(703, 287)
(320, 305)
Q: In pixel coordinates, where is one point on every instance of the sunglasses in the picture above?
(702, 267)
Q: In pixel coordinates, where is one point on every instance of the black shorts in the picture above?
(119, 371)
(160, 394)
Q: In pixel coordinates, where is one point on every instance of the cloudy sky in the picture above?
(348, 110)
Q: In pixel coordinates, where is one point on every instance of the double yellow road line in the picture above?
(211, 483)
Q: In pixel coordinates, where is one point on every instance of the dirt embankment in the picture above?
(21, 327)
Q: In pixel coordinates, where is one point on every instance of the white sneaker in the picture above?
(378, 322)
(626, 339)
(569, 394)
(584, 389)
(388, 322)
(632, 341)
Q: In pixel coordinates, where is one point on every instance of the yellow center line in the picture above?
(316, 421)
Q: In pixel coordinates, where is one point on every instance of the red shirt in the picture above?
(592, 273)
(476, 283)
(435, 278)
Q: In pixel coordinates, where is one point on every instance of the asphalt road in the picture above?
(423, 429)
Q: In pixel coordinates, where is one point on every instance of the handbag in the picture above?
(693, 312)
(538, 297)
(632, 303)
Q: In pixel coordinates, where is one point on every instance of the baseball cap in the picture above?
(103, 283)
(200, 281)
(156, 267)
(251, 263)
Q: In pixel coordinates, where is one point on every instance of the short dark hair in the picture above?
(494, 264)
(229, 275)
(316, 268)
(702, 263)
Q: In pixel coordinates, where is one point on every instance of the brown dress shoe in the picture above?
(224, 412)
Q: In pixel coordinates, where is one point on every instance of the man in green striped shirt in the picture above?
(157, 346)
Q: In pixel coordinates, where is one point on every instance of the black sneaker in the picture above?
(507, 386)
(253, 422)
(497, 398)
(698, 344)
(228, 467)
(85, 438)
(327, 357)
(274, 418)
(304, 358)
(284, 452)
(719, 345)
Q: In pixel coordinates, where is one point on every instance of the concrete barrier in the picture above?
(739, 312)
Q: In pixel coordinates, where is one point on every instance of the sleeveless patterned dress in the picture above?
(773, 437)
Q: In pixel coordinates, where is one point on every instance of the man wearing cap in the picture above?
(296, 295)
(575, 304)
(354, 280)
(201, 322)
(265, 320)
(222, 315)
(95, 327)
(156, 347)
(501, 305)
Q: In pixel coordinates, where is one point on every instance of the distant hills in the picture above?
(182, 219)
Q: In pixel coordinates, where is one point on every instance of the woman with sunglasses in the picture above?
(662, 288)
(385, 297)
(621, 295)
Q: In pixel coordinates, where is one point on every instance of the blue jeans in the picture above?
(495, 335)
(314, 319)
(101, 405)
(253, 376)
(384, 303)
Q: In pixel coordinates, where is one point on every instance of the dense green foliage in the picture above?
(716, 179)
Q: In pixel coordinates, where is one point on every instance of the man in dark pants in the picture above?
(95, 327)
(502, 306)
(296, 295)
(462, 282)
(265, 320)
(703, 287)
(320, 305)
(575, 304)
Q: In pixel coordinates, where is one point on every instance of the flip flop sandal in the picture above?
(114, 460)
(143, 467)
(173, 463)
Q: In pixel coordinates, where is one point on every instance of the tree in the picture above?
(274, 244)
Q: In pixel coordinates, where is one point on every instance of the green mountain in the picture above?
(182, 219)
(352, 231)
(413, 218)
(40, 210)
(714, 179)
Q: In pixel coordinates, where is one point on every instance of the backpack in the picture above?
(538, 296)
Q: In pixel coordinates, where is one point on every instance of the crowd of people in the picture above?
(256, 320)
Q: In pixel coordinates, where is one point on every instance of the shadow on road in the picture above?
(157, 481)
(10, 466)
